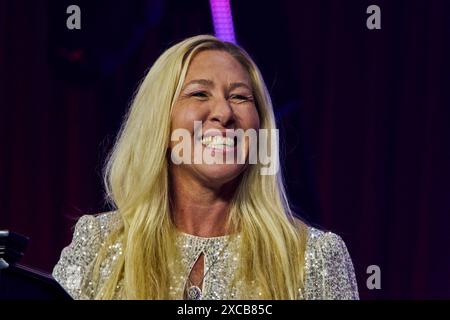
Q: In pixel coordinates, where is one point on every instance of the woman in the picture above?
(196, 230)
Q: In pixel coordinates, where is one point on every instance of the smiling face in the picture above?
(216, 91)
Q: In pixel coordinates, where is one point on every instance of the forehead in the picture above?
(216, 65)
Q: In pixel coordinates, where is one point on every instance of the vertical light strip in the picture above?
(222, 20)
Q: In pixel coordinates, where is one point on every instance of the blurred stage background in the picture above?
(363, 113)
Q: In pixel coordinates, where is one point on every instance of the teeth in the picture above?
(218, 141)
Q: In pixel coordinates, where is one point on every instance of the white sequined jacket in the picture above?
(329, 272)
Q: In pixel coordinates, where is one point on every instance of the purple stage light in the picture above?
(222, 20)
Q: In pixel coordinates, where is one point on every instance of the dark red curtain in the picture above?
(363, 115)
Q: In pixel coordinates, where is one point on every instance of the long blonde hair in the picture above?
(137, 185)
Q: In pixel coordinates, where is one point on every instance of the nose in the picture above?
(222, 114)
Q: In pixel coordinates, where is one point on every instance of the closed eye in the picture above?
(241, 97)
(200, 94)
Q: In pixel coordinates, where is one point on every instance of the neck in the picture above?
(198, 209)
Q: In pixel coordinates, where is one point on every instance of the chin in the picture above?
(220, 173)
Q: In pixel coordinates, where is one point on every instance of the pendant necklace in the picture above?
(193, 291)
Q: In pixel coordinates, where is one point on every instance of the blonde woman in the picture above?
(196, 230)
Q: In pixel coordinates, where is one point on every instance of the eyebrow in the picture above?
(205, 82)
(210, 83)
(235, 85)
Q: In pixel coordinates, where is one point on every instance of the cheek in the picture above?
(183, 116)
(250, 119)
